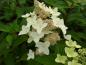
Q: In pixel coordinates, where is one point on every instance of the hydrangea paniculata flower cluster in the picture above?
(40, 25)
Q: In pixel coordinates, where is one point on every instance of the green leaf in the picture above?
(9, 39)
(2, 36)
(23, 10)
(22, 1)
(4, 46)
(83, 2)
(33, 62)
(46, 60)
(59, 47)
(14, 27)
(19, 40)
(4, 28)
(56, 3)
(9, 59)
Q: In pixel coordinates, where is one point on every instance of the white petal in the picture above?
(39, 25)
(55, 12)
(25, 30)
(30, 55)
(35, 36)
(67, 37)
(43, 47)
(59, 23)
(29, 40)
(26, 15)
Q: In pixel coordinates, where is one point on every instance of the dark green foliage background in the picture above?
(14, 48)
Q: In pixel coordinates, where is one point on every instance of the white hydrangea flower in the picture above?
(52, 11)
(39, 4)
(25, 30)
(26, 15)
(34, 36)
(67, 37)
(55, 12)
(39, 25)
(31, 20)
(43, 47)
(42, 6)
(48, 9)
(30, 55)
(59, 23)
